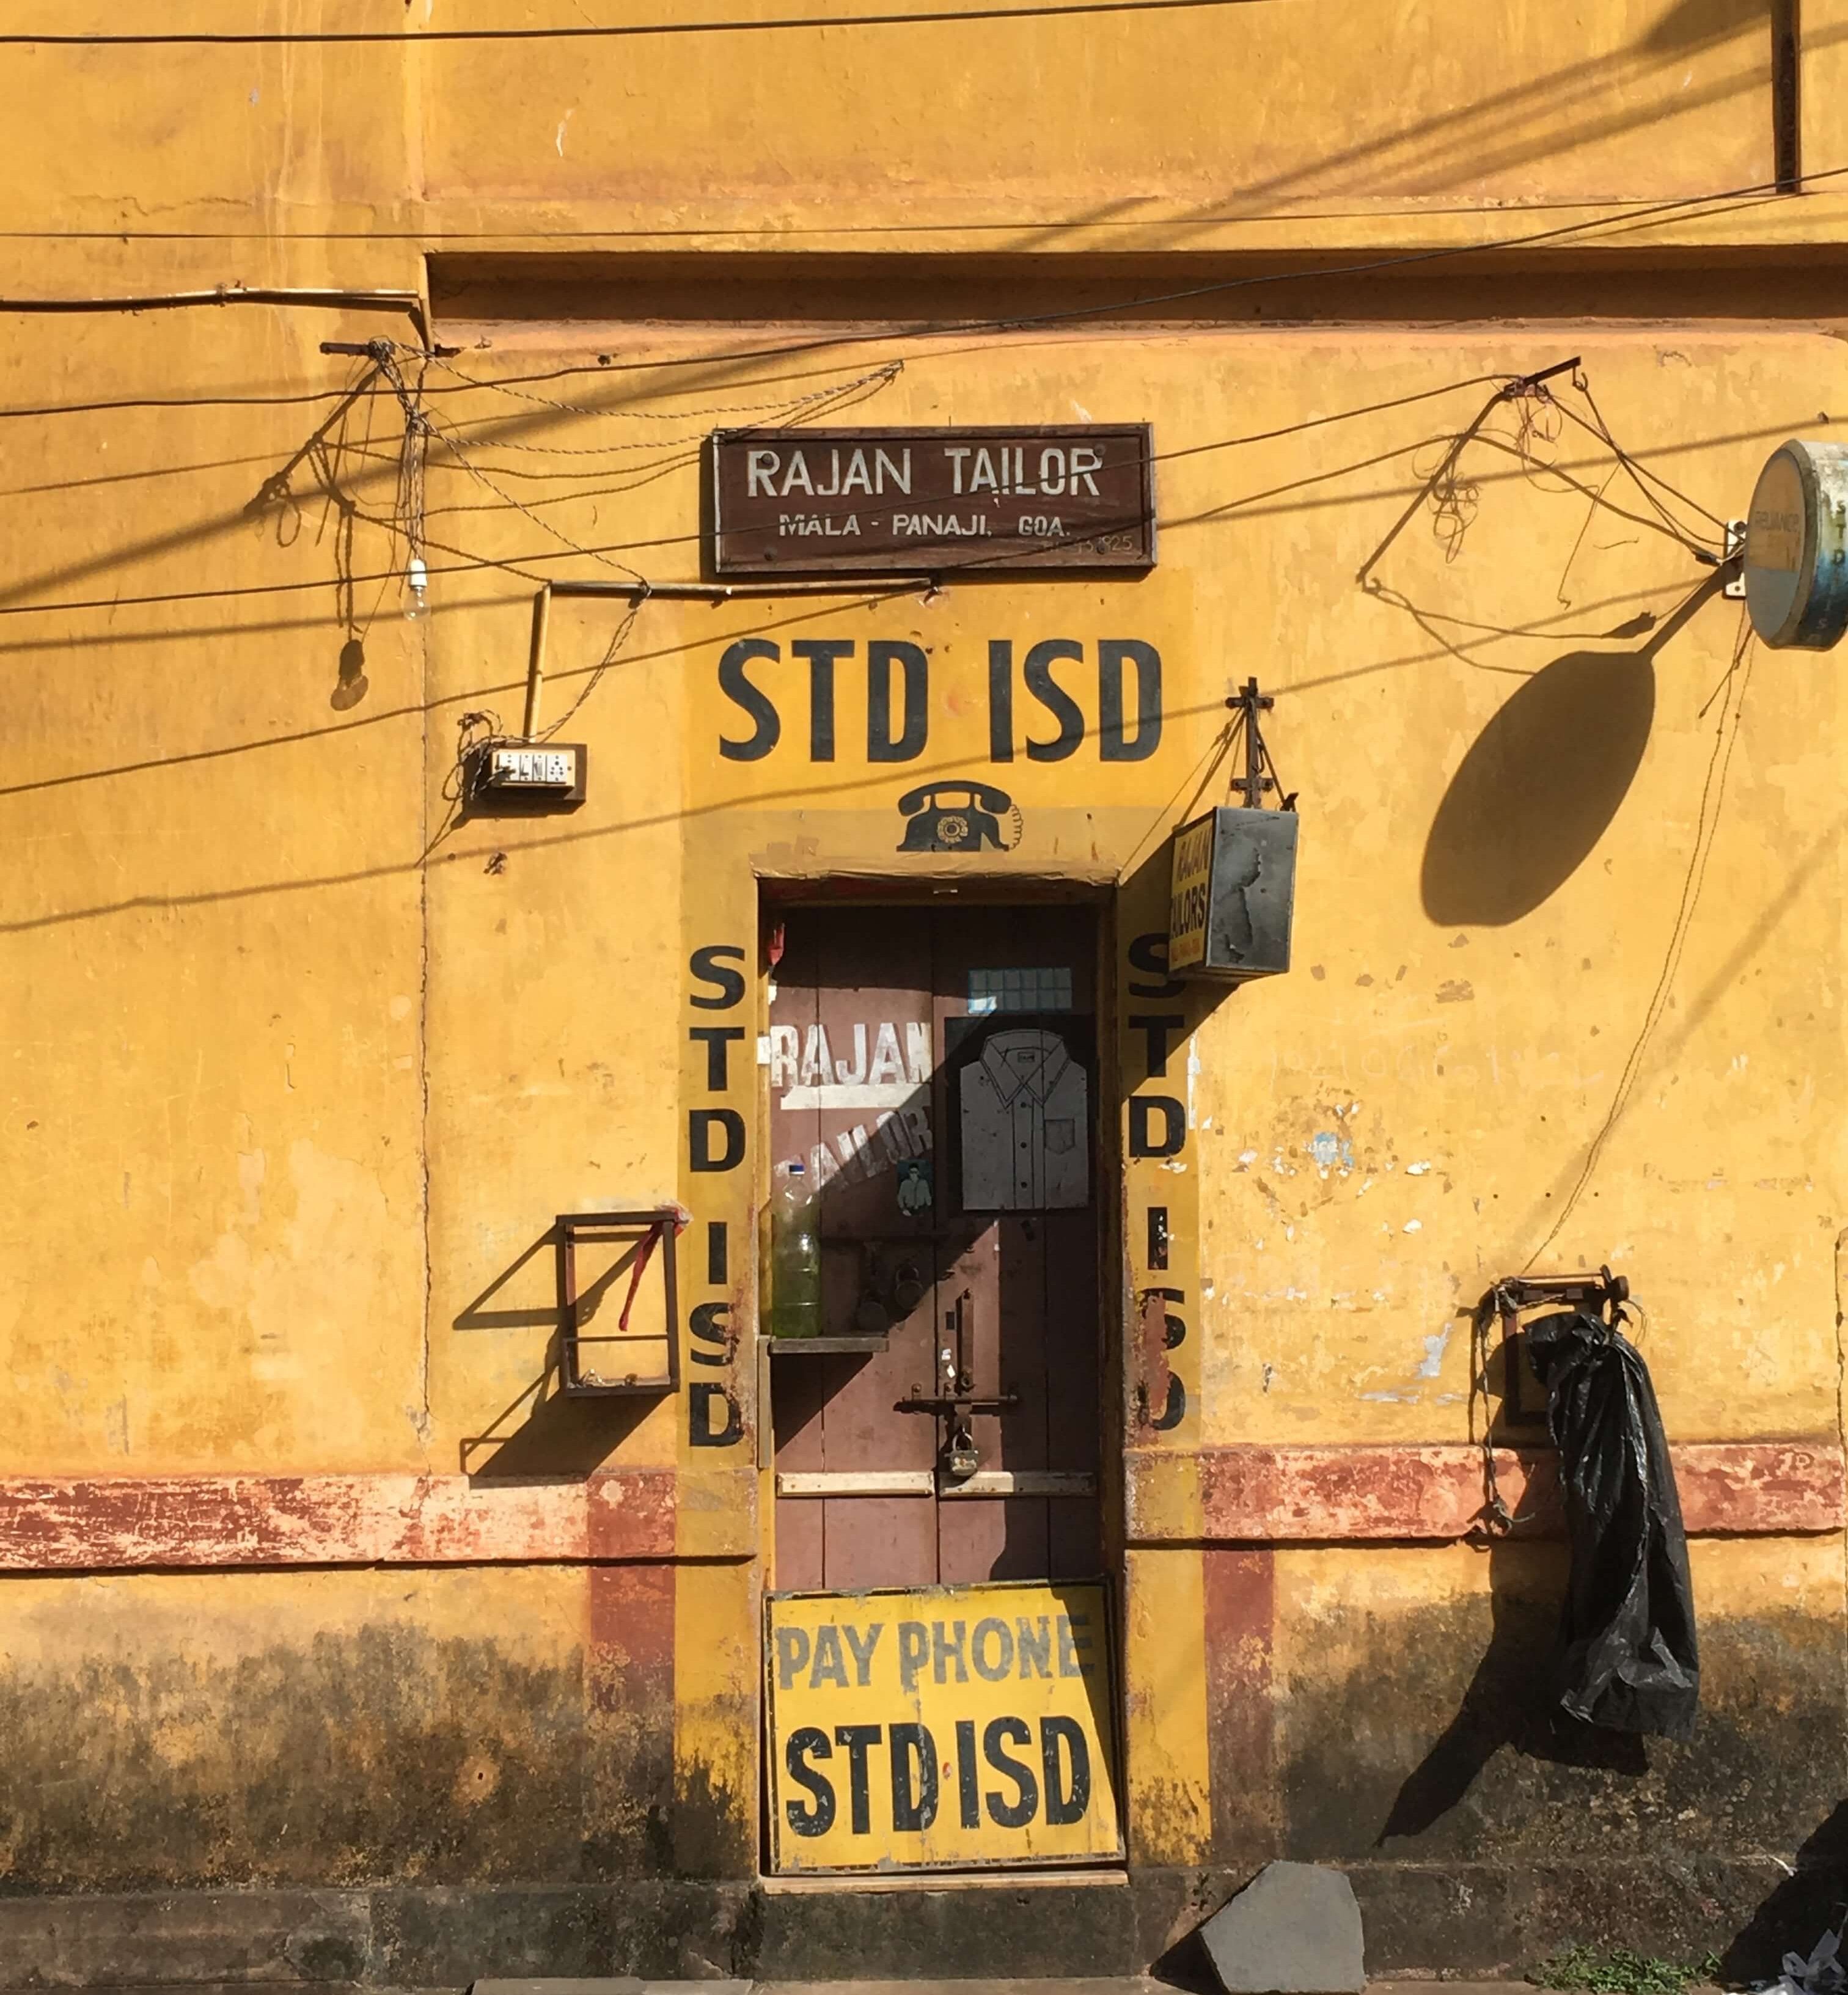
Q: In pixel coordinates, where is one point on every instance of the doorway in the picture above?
(933, 1282)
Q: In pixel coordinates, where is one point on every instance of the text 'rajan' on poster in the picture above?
(941, 1727)
(920, 501)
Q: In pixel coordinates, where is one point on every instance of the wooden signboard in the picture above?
(921, 501)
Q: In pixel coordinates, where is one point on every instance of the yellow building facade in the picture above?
(343, 1643)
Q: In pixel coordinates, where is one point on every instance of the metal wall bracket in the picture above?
(651, 1231)
(1604, 1294)
(1732, 561)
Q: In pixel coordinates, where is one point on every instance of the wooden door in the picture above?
(935, 1072)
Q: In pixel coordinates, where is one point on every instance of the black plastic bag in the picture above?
(1628, 1660)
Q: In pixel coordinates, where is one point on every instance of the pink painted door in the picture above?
(934, 1073)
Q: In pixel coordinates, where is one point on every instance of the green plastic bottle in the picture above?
(795, 1256)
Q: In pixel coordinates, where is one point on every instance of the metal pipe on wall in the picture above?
(410, 302)
(697, 592)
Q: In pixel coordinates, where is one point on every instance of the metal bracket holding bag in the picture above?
(1602, 1294)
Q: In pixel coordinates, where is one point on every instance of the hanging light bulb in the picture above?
(417, 579)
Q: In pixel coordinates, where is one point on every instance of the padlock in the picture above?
(961, 1460)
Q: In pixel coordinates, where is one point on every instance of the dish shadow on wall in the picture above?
(1542, 782)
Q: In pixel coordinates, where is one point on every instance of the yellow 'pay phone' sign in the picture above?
(941, 1727)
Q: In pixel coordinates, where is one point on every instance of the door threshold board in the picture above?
(1001, 1877)
(935, 1482)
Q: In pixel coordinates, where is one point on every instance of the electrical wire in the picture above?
(1734, 687)
(526, 512)
(1456, 498)
(611, 652)
(637, 30)
(520, 565)
(469, 564)
(1628, 219)
(668, 451)
(889, 371)
(673, 450)
(666, 454)
(1124, 306)
(410, 506)
(768, 231)
(473, 742)
(1664, 520)
(1665, 524)
(1637, 470)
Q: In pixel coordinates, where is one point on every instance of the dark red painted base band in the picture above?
(50, 1525)
(1283, 1495)
(1253, 1495)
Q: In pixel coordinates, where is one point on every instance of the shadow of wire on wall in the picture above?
(1542, 782)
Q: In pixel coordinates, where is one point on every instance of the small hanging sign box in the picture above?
(1234, 895)
(1234, 886)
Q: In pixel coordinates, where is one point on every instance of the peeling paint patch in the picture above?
(1434, 1349)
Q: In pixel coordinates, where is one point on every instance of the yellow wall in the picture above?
(301, 1068)
(322, 1729)
(228, 967)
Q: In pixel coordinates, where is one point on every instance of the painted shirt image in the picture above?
(1024, 1104)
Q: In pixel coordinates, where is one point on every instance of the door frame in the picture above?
(778, 893)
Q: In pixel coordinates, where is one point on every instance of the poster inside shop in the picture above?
(940, 1727)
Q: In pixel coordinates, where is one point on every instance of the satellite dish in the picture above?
(1796, 548)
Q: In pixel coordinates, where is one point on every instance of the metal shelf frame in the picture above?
(655, 1230)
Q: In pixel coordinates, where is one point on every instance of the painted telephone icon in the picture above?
(958, 817)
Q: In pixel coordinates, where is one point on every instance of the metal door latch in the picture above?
(957, 1402)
